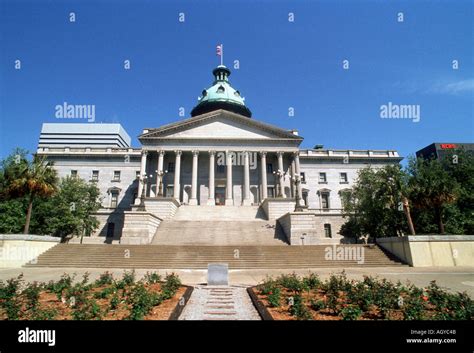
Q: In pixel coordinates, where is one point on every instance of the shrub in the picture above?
(351, 312)
(317, 305)
(312, 281)
(9, 298)
(337, 283)
(274, 298)
(105, 278)
(104, 293)
(299, 309)
(413, 309)
(141, 301)
(10, 289)
(87, 310)
(32, 293)
(152, 277)
(267, 286)
(128, 278)
(292, 282)
(64, 283)
(114, 302)
(43, 314)
(170, 286)
(332, 302)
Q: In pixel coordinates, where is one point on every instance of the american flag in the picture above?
(219, 50)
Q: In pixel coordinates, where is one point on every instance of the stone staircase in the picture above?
(214, 225)
(222, 213)
(198, 257)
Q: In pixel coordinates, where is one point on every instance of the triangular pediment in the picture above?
(220, 124)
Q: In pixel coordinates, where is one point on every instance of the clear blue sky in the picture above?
(282, 64)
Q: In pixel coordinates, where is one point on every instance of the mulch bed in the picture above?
(169, 309)
(267, 312)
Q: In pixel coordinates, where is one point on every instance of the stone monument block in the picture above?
(218, 274)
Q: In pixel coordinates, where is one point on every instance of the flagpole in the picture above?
(222, 54)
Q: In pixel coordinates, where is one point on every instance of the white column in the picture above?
(211, 200)
(280, 167)
(159, 179)
(246, 199)
(263, 156)
(142, 173)
(298, 173)
(194, 184)
(177, 172)
(229, 195)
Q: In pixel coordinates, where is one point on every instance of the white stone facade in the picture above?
(187, 163)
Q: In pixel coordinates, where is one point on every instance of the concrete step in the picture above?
(218, 232)
(198, 257)
(222, 213)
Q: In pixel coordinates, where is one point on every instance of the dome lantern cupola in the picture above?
(221, 95)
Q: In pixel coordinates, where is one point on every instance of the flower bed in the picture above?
(151, 298)
(290, 297)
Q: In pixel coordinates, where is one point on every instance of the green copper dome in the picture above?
(221, 95)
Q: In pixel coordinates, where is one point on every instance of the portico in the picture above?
(194, 176)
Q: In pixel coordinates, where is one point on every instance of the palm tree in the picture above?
(32, 179)
(432, 187)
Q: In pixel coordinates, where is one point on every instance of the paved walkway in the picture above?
(451, 278)
(219, 303)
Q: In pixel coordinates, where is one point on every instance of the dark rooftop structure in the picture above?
(439, 150)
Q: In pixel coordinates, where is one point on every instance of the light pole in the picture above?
(280, 174)
(160, 174)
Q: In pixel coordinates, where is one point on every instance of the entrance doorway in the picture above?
(220, 196)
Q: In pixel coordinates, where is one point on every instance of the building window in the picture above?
(110, 229)
(114, 200)
(116, 175)
(327, 230)
(171, 167)
(74, 173)
(322, 178)
(269, 168)
(303, 177)
(95, 175)
(220, 169)
(325, 201)
(270, 192)
(169, 191)
(343, 178)
(305, 197)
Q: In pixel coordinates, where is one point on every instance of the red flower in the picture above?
(425, 298)
(270, 293)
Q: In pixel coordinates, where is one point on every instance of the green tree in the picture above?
(432, 188)
(30, 179)
(460, 216)
(70, 211)
(375, 204)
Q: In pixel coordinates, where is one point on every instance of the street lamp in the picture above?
(160, 174)
(280, 174)
(298, 206)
